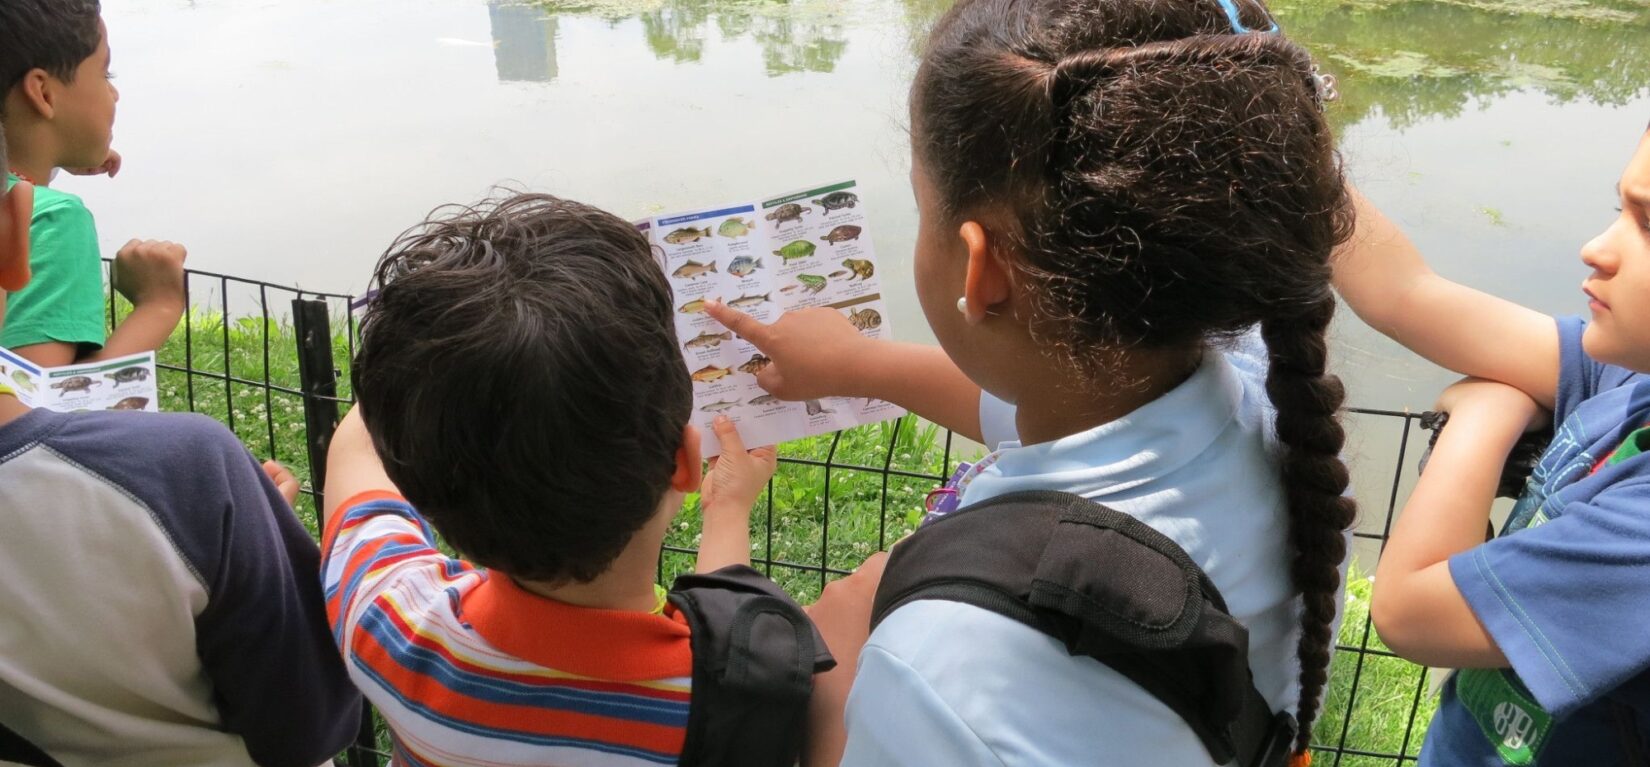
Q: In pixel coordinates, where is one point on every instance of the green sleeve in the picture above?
(64, 298)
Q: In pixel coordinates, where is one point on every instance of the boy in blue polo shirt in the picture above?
(1548, 622)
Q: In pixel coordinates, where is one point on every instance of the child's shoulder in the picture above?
(172, 454)
(49, 202)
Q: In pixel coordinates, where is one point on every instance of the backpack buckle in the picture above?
(1279, 744)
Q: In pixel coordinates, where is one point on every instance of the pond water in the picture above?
(290, 140)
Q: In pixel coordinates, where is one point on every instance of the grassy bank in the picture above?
(836, 499)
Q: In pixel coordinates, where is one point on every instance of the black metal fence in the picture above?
(268, 361)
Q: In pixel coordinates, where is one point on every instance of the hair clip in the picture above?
(1327, 91)
(1237, 23)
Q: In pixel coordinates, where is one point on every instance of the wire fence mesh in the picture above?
(270, 362)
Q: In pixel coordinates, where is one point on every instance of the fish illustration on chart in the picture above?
(720, 406)
(795, 249)
(811, 283)
(707, 340)
(734, 228)
(814, 408)
(710, 373)
(746, 302)
(76, 384)
(693, 270)
(842, 233)
(128, 375)
(861, 268)
(837, 201)
(764, 401)
(865, 319)
(790, 211)
(131, 403)
(755, 364)
(695, 306)
(686, 235)
(743, 266)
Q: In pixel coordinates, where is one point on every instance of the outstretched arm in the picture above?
(1384, 279)
(818, 353)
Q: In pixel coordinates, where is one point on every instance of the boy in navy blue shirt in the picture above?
(1550, 621)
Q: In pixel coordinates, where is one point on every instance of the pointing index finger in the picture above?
(744, 325)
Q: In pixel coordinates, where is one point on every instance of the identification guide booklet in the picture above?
(809, 248)
(128, 383)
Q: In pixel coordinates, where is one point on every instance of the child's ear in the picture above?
(987, 284)
(16, 210)
(37, 89)
(689, 473)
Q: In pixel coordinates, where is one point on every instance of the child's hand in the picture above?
(283, 479)
(110, 167)
(736, 476)
(812, 350)
(730, 488)
(150, 272)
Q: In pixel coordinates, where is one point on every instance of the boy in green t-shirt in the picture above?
(59, 112)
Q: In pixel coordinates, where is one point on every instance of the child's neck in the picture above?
(627, 584)
(30, 158)
(1059, 403)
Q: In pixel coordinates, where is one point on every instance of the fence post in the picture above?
(318, 377)
(319, 380)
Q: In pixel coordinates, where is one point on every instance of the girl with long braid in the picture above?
(1113, 194)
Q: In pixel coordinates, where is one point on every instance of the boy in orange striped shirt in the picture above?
(521, 388)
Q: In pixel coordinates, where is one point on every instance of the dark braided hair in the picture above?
(1161, 183)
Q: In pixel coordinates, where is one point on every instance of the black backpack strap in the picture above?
(754, 656)
(17, 749)
(1107, 586)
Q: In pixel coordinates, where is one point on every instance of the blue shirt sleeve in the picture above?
(1565, 600)
(1580, 376)
(262, 637)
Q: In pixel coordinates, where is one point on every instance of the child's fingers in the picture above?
(728, 435)
(284, 480)
(742, 324)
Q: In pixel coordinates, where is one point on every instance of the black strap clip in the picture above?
(1279, 744)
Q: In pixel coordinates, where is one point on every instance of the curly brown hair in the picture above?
(520, 376)
(1160, 182)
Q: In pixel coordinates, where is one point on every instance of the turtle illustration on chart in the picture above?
(842, 233)
(131, 403)
(23, 381)
(81, 384)
(790, 211)
(795, 249)
(128, 375)
(837, 201)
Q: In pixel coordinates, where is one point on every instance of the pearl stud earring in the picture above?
(962, 304)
